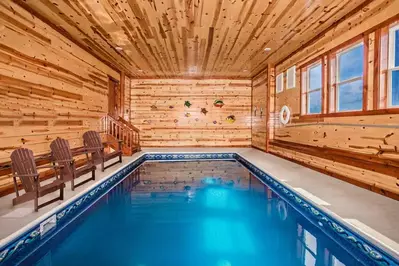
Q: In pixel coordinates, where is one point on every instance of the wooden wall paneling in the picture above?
(49, 87)
(158, 109)
(362, 135)
(127, 99)
(260, 112)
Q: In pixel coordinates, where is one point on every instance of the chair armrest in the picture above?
(27, 175)
(109, 142)
(65, 161)
(94, 149)
(49, 166)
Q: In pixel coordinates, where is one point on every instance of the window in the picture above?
(291, 72)
(393, 67)
(279, 83)
(349, 86)
(312, 89)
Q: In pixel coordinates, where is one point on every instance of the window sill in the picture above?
(351, 113)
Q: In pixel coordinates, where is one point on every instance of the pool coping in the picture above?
(30, 237)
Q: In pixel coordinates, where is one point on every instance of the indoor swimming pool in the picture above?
(191, 213)
(160, 211)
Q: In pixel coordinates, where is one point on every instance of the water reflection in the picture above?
(193, 213)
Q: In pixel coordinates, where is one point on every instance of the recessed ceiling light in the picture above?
(245, 70)
(118, 48)
(267, 49)
(139, 70)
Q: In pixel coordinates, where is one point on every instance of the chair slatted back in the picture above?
(61, 151)
(23, 163)
(92, 139)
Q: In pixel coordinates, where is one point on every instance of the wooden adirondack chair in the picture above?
(92, 140)
(62, 155)
(24, 167)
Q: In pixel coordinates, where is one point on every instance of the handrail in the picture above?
(122, 120)
(120, 129)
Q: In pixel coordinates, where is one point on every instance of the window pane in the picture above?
(396, 48)
(314, 100)
(350, 96)
(315, 77)
(351, 63)
(395, 88)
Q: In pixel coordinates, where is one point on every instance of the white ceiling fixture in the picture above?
(118, 48)
(268, 49)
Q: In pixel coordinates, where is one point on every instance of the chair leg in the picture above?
(102, 166)
(72, 184)
(93, 174)
(62, 193)
(120, 158)
(36, 203)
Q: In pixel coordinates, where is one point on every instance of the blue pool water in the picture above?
(191, 213)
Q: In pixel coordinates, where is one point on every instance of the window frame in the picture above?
(307, 90)
(293, 69)
(391, 63)
(281, 75)
(338, 82)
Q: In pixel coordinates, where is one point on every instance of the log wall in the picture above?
(49, 87)
(259, 110)
(158, 109)
(361, 148)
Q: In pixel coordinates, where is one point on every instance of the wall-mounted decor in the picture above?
(171, 107)
(285, 115)
(215, 122)
(261, 111)
(153, 107)
(187, 104)
(204, 111)
(187, 115)
(218, 103)
(176, 121)
(231, 119)
(255, 109)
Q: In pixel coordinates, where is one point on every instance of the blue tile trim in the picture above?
(30, 240)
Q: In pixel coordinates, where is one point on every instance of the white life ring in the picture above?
(282, 210)
(286, 110)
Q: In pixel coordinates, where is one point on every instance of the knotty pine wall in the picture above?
(157, 108)
(360, 149)
(259, 110)
(49, 87)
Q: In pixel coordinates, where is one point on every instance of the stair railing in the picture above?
(122, 130)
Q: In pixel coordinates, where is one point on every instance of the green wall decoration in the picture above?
(187, 104)
(218, 103)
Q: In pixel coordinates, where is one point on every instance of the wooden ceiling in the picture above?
(191, 38)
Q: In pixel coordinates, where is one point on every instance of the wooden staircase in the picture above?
(120, 129)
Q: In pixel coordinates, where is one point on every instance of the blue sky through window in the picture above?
(315, 77)
(395, 88)
(351, 63)
(315, 102)
(351, 96)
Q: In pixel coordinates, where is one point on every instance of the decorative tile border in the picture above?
(19, 248)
